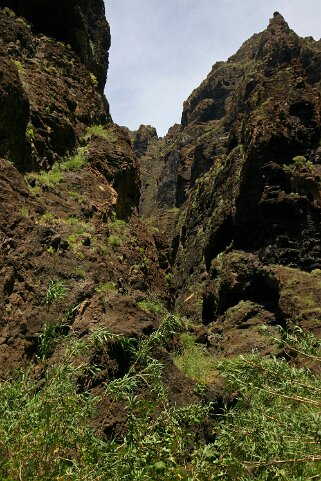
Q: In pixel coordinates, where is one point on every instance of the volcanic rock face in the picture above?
(69, 188)
(82, 24)
(245, 167)
(230, 197)
(53, 95)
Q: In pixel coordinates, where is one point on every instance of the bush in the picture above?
(105, 132)
(56, 291)
(50, 178)
(273, 432)
(44, 427)
(45, 424)
(151, 305)
(114, 240)
(76, 162)
(195, 361)
(300, 161)
(54, 176)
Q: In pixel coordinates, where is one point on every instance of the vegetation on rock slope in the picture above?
(116, 387)
(271, 430)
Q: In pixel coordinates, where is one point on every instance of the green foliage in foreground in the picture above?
(56, 290)
(45, 428)
(272, 432)
(195, 361)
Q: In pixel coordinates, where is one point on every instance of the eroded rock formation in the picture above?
(69, 188)
(242, 177)
(230, 198)
(81, 24)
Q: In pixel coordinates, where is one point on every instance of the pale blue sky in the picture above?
(162, 49)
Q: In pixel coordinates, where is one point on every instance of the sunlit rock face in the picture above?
(80, 23)
(240, 176)
(65, 164)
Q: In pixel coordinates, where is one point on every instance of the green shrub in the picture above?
(79, 227)
(75, 242)
(114, 240)
(47, 218)
(195, 361)
(94, 79)
(44, 427)
(151, 305)
(8, 12)
(76, 162)
(80, 273)
(55, 292)
(48, 339)
(45, 424)
(273, 432)
(54, 176)
(105, 250)
(24, 211)
(77, 197)
(300, 161)
(50, 178)
(30, 133)
(19, 66)
(107, 286)
(119, 232)
(106, 133)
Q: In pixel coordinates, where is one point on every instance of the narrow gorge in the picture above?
(164, 258)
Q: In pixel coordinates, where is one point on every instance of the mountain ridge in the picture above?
(104, 230)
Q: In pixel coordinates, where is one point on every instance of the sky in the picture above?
(163, 49)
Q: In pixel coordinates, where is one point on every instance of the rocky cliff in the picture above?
(229, 231)
(74, 254)
(240, 179)
(162, 256)
(80, 24)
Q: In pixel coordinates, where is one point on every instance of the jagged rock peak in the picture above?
(142, 137)
(80, 23)
(279, 22)
(272, 48)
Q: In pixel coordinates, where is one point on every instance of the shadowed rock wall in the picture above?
(80, 23)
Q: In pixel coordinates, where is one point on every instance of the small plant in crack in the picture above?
(55, 292)
(52, 333)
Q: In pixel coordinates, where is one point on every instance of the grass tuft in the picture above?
(195, 361)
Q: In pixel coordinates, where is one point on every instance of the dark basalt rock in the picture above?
(79, 226)
(245, 169)
(142, 138)
(14, 108)
(116, 160)
(79, 23)
(48, 89)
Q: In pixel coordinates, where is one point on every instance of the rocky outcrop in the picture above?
(55, 97)
(115, 159)
(245, 170)
(81, 24)
(69, 190)
(230, 198)
(142, 139)
(14, 108)
(159, 160)
(263, 193)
